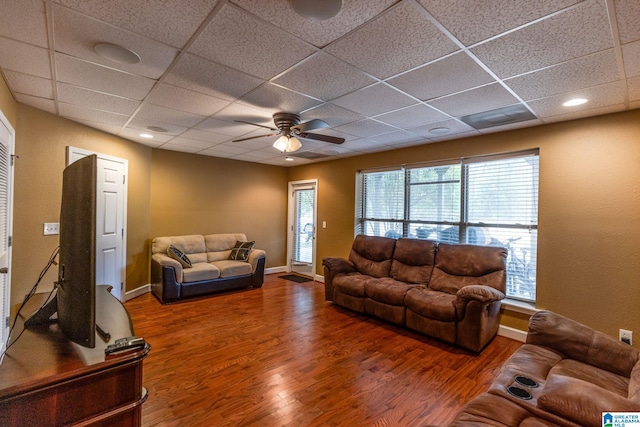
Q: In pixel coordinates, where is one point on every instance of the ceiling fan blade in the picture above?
(254, 137)
(255, 124)
(325, 138)
(310, 125)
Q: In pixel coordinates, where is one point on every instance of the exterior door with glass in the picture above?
(302, 229)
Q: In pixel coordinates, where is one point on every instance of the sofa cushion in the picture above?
(230, 268)
(223, 242)
(190, 244)
(240, 251)
(179, 256)
(431, 304)
(591, 374)
(371, 255)
(351, 284)
(634, 383)
(200, 271)
(413, 260)
(387, 290)
(460, 265)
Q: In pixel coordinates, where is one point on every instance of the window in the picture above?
(491, 200)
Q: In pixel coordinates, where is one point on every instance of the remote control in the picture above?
(124, 344)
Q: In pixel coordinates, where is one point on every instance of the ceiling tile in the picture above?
(24, 20)
(200, 135)
(583, 72)
(319, 33)
(399, 137)
(452, 74)
(599, 96)
(324, 76)
(397, 41)
(225, 128)
(101, 126)
(37, 102)
(29, 85)
(413, 116)
(77, 34)
(231, 149)
(476, 100)
(551, 41)
(631, 57)
(134, 135)
(471, 22)
(185, 100)
(365, 128)
(92, 76)
(191, 143)
(332, 114)
(24, 58)
(168, 115)
(247, 113)
(243, 42)
(209, 78)
(375, 99)
(169, 21)
(275, 97)
(98, 116)
(633, 86)
(365, 145)
(628, 18)
(581, 114)
(181, 148)
(96, 100)
(512, 126)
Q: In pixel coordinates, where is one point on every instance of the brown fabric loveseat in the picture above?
(580, 375)
(449, 292)
(211, 270)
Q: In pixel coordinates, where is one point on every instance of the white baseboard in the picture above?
(273, 270)
(512, 333)
(136, 292)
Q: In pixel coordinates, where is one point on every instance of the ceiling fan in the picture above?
(289, 128)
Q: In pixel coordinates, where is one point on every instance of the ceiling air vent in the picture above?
(309, 155)
(499, 117)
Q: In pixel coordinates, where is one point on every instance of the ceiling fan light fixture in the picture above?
(117, 53)
(281, 143)
(293, 145)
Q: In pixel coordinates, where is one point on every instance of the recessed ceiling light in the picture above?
(289, 159)
(157, 129)
(439, 131)
(317, 10)
(574, 102)
(116, 53)
(146, 135)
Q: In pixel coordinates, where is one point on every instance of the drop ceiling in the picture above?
(382, 74)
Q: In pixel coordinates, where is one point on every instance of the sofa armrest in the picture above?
(582, 343)
(339, 265)
(479, 293)
(166, 261)
(254, 256)
(580, 401)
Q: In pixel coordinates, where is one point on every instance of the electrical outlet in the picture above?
(51, 228)
(626, 336)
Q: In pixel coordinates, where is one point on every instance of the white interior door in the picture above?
(110, 219)
(7, 138)
(302, 227)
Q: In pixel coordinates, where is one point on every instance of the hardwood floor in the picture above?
(283, 356)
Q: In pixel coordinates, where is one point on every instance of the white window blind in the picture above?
(482, 200)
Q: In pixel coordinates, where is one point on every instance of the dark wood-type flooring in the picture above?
(283, 356)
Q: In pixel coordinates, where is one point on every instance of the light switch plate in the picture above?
(51, 228)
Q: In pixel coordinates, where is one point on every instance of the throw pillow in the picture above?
(240, 251)
(179, 256)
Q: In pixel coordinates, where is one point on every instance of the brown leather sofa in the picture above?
(449, 292)
(580, 375)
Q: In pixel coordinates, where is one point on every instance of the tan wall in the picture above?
(8, 105)
(589, 211)
(192, 194)
(41, 139)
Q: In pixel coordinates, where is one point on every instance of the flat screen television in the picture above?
(75, 299)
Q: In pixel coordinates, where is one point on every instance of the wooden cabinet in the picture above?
(47, 380)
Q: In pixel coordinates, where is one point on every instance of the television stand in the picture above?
(48, 380)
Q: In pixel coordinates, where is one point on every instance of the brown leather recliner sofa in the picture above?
(449, 292)
(580, 375)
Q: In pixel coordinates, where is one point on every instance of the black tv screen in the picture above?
(76, 288)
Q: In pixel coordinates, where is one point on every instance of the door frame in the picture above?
(5, 298)
(292, 186)
(83, 152)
